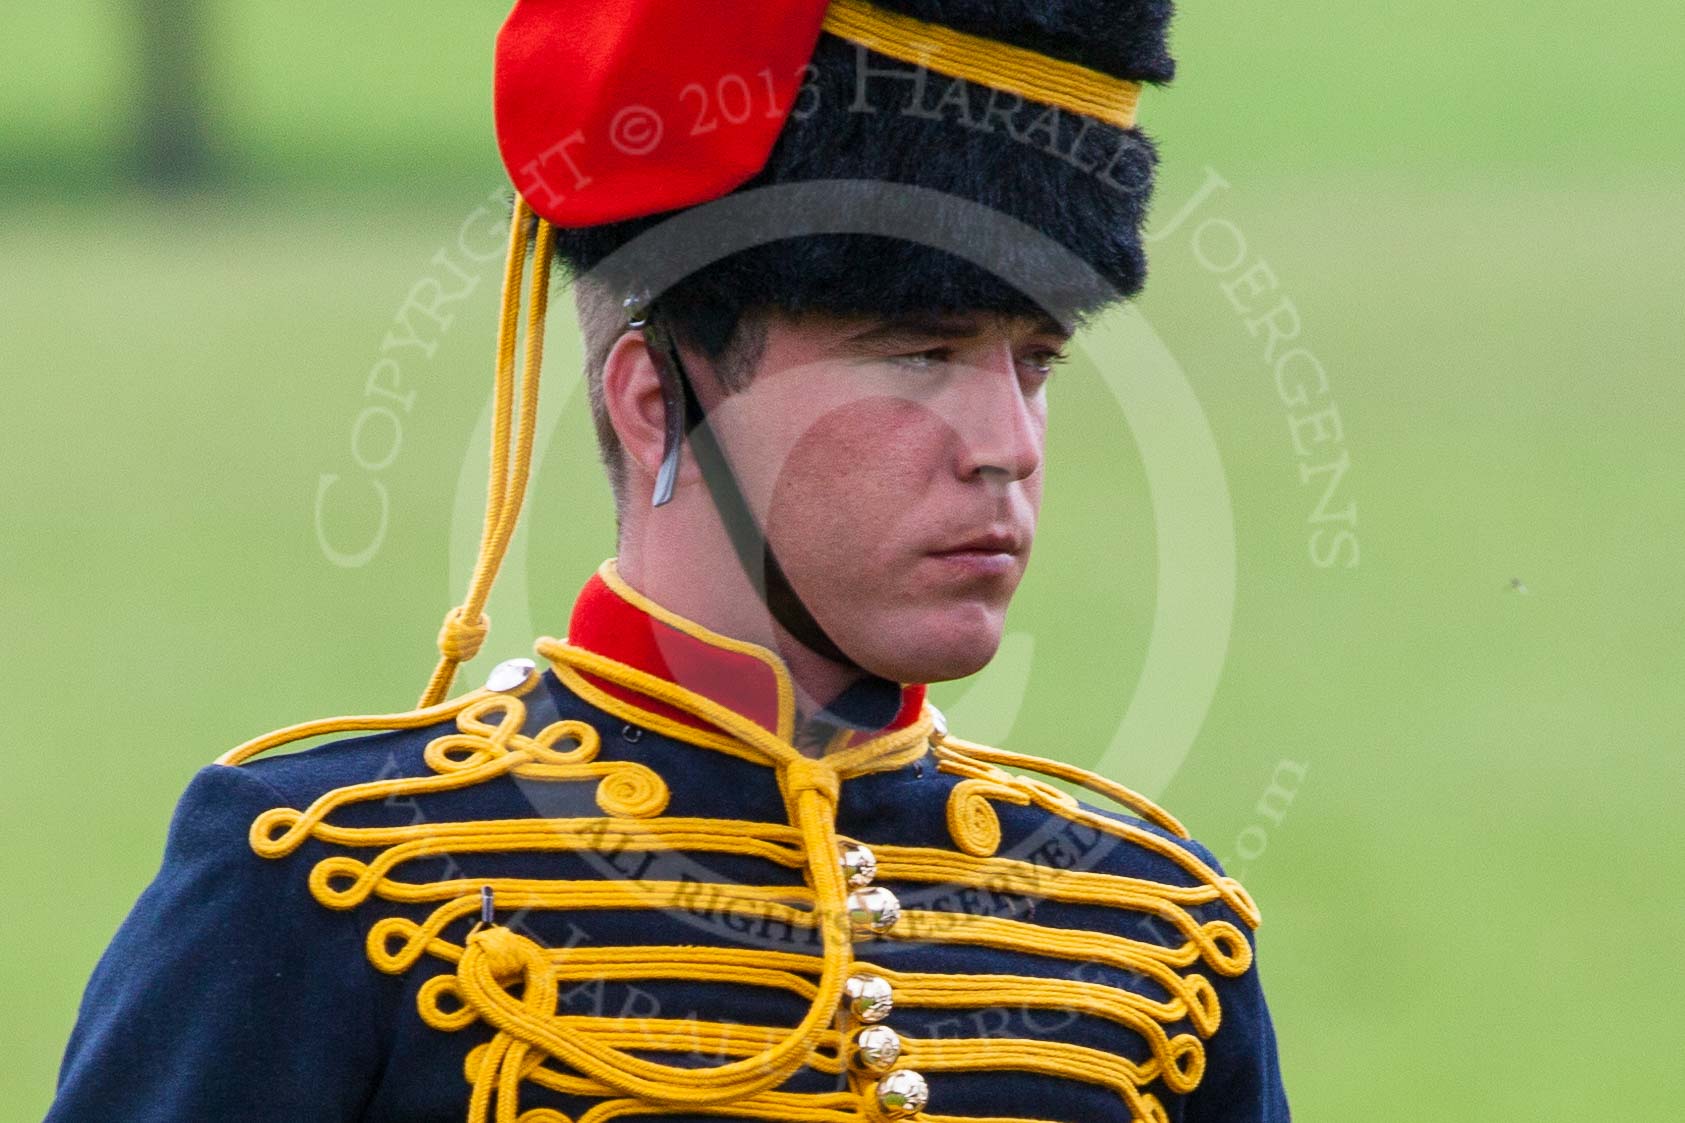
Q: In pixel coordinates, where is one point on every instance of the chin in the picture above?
(935, 650)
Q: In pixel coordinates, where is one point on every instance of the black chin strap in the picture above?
(687, 419)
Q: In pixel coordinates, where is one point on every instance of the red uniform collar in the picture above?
(612, 619)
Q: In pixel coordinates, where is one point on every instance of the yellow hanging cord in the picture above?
(465, 626)
(987, 62)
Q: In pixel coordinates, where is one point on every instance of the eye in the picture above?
(1043, 361)
(926, 358)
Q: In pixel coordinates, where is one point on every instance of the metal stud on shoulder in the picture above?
(511, 674)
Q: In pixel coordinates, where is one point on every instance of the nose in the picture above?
(1000, 424)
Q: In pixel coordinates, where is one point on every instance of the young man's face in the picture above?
(897, 468)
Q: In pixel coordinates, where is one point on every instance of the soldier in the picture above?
(716, 856)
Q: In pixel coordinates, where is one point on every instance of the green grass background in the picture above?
(1472, 904)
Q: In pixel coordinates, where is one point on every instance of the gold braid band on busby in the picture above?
(1027, 107)
(1000, 66)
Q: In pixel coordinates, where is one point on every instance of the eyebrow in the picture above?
(919, 327)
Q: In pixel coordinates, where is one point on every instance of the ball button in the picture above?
(859, 864)
(903, 1092)
(875, 1049)
(869, 997)
(872, 911)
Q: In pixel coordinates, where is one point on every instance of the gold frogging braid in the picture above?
(494, 958)
(512, 984)
(988, 62)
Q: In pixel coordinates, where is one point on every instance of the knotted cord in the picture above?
(466, 625)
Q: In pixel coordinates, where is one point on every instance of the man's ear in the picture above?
(632, 397)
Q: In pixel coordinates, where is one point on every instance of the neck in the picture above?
(721, 598)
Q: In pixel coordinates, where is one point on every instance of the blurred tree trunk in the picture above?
(172, 134)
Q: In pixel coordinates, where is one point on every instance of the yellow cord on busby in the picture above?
(466, 625)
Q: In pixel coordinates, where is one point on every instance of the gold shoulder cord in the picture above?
(512, 983)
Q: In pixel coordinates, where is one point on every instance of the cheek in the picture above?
(856, 462)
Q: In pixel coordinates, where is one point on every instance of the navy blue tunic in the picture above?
(233, 993)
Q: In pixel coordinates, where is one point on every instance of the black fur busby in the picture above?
(1082, 184)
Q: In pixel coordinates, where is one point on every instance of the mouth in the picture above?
(994, 554)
